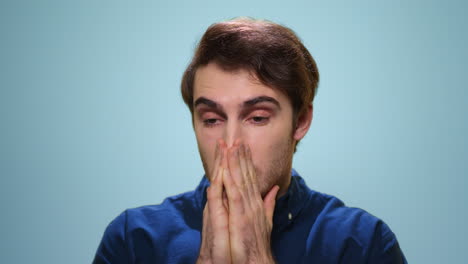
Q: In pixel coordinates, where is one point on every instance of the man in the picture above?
(249, 88)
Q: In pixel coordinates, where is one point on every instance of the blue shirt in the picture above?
(308, 227)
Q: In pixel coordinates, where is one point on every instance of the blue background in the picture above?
(92, 121)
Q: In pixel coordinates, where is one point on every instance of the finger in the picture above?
(215, 191)
(205, 213)
(243, 164)
(220, 160)
(245, 172)
(251, 169)
(236, 205)
(269, 203)
(206, 217)
(215, 233)
(234, 167)
(238, 177)
(218, 157)
(225, 200)
(215, 199)
(222, 151)
(205, 235)
(217, 219)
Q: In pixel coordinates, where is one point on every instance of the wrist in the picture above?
(203, 259)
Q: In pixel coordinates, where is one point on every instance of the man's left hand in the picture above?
(250, 216)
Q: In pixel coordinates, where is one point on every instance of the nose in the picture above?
(232, 131)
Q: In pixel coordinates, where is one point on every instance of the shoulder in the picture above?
(173, 210)
(144, 231)
(350, 220)
(354, 231)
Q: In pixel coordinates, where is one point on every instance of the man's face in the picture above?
(235, 105)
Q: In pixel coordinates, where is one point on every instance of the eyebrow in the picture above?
(248, 103)
(207, 102)
(261, 99)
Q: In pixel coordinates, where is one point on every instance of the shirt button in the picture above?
(290, 216)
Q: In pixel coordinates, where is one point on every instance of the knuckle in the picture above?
(210, 193)
(236, 197)
(257, 208)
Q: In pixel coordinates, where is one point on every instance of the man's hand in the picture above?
(215, 246)
(250, 216)
(237, 222)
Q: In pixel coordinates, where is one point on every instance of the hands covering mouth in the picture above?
(237, 222)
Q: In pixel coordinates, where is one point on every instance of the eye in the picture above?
(259, 120)
(209, 122)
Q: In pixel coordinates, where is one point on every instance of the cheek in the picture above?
(265, 143)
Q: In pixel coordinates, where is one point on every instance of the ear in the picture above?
(303, 123)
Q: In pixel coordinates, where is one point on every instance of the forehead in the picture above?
(226, 87)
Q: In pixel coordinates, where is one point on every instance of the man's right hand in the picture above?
(215, 247)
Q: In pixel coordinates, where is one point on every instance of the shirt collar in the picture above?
(287, 207)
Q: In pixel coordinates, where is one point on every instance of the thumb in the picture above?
(269, 203)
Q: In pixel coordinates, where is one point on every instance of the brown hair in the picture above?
(272, 52)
